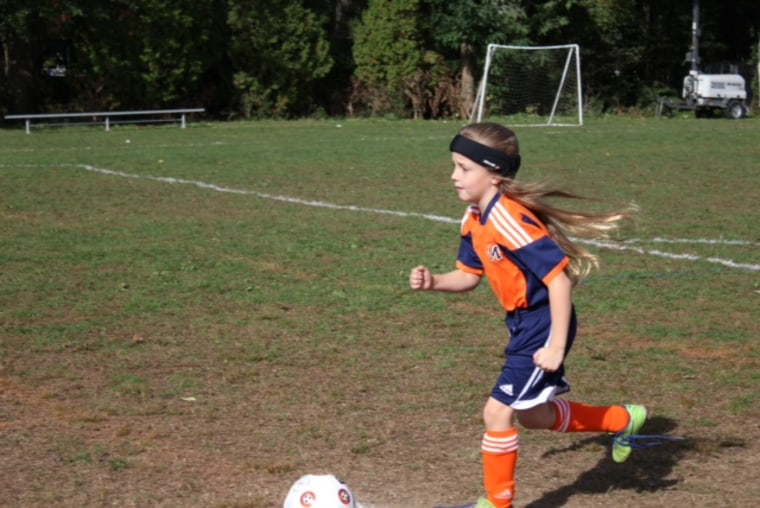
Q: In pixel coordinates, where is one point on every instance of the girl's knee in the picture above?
(497, 416)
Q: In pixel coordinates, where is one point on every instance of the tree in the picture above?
(634, 50)
(279, 51)
(110, 54)
(179, 41)
(467, 27)
(333, 90)
(389, 56)
(24, 34)
(137, 55)
(419, 58)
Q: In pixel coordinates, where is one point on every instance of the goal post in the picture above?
(530, 85)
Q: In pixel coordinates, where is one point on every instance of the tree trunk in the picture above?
(7, 63)
(467, 82)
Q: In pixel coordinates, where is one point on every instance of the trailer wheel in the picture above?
(735, 110)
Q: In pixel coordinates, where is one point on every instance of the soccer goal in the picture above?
(530, 85)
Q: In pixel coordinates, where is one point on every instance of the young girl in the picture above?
(520, 242)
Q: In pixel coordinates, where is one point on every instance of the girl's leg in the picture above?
(565, 416)
(577, 417)
(622, 421)
(499, 452)
(542, 416)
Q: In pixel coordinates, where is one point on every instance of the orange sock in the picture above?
(499, 450)
(577, 417)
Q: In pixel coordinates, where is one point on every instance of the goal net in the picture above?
(530, 85)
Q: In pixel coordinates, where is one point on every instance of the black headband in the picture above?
(485, 156)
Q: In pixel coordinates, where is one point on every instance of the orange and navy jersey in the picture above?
(513, 249)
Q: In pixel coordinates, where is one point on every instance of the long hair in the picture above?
(561, 223)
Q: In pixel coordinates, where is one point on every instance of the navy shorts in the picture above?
(521, 384)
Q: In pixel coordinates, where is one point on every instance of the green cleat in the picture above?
(621, 442)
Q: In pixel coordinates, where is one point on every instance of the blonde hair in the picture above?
(560, 222)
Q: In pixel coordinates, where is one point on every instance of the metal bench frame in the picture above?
(119, 116)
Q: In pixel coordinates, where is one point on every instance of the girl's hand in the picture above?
(548, 359)
(420, 278)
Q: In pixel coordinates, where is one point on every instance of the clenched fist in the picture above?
(420, 278)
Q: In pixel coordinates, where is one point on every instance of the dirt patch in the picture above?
(243, 445)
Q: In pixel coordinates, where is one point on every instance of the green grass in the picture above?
(218, 318)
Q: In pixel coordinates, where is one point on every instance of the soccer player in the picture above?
(513, 236)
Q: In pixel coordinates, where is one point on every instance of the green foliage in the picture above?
(388, 52)
(629, 50)
(463, 30)
(408, 52)
(476, 24)
(280, 50)
(24, 36)
(14, 18)
(151, 54)
(169, 58)
(404, 58)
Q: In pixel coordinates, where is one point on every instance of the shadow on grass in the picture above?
(647, 469)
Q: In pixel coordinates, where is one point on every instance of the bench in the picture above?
(146, 116)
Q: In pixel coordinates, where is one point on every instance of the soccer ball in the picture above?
(319, 491)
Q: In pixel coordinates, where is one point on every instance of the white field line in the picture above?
(606, 244)
(707, 241)
(274, 197)
(629, 245)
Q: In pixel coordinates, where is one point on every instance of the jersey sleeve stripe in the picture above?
(518, 228)
(510, 240)
(509, 228)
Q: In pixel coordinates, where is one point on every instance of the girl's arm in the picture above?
(457, 281)
(550, 358)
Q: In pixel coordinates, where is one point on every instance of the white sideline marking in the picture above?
(708, 241)
(603, 244)
(606, 244)
(275, 197)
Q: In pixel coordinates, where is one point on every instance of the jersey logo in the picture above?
(494, 253)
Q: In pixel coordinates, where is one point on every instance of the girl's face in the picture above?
(473, 183)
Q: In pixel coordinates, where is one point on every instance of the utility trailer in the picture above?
(708, 93)
(704, 93)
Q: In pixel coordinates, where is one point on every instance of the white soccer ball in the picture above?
(319, 491)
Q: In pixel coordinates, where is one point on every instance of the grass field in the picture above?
(197, 317)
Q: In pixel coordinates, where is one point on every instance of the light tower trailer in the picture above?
(708, 93)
